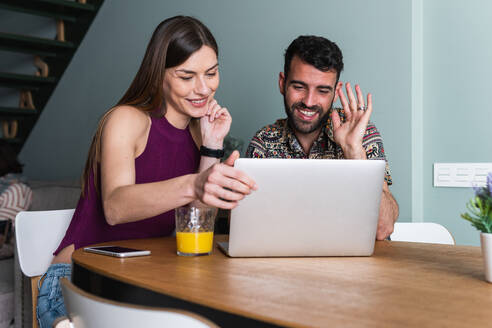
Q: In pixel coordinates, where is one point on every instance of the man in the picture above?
(309, 85)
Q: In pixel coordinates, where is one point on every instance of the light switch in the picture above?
(461, 174)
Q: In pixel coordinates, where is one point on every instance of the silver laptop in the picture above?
(307, 207)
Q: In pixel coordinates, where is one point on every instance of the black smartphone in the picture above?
(117, 251)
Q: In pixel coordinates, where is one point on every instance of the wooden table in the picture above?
(402, 284)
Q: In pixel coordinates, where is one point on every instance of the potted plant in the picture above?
(480, 216)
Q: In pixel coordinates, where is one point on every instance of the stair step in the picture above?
(62, 9)
(33, 45)
(16, 112)
(22, 81)
(68, 5)
(76, 17)
(13, 141)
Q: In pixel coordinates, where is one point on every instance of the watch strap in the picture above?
(216, 153)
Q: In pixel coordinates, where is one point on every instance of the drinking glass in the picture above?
(195, 230)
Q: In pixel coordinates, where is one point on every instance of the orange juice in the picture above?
(194, 242)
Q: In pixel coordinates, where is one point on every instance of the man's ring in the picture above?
(363, 108)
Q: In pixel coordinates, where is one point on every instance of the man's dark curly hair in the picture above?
(316, 51)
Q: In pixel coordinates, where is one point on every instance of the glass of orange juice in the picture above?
(195, 230)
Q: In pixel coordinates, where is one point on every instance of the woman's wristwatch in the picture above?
(216, 153)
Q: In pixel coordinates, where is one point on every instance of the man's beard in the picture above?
(300, 126)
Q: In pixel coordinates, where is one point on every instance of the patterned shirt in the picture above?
(279, 141)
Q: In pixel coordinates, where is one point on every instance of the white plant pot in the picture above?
(486, 242)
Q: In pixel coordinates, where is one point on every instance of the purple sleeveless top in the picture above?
(169, 153)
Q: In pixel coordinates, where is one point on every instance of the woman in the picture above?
(144, 155)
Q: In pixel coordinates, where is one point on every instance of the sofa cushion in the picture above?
(54, 195)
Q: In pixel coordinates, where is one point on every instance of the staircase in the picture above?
(50, 57)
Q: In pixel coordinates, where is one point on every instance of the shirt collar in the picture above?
(295, 146)
(291, 138)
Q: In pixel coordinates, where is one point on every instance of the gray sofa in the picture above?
(52, 195)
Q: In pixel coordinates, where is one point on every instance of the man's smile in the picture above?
(306, 114)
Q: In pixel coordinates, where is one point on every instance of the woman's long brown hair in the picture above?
(172, 43)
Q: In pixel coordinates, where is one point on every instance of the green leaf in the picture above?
(480, 215)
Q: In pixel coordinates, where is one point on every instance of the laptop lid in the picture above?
(307, 207)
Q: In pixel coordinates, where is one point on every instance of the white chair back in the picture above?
(38, 234)
(89, 311)
(423, 232)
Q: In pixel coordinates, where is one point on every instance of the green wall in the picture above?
(427, 64)
(375, 37)
(457, 109)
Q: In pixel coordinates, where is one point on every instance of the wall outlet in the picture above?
(461, 174)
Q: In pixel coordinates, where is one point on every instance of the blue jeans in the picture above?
(50, 298)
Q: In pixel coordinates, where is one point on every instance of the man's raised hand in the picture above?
(350, 133)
